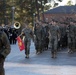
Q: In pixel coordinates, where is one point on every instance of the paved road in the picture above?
(42, 64)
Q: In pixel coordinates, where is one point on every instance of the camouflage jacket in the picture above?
(28, 33)
(5, 47)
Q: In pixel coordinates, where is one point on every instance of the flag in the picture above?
(20, 43)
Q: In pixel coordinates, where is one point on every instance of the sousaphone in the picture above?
(17, 25)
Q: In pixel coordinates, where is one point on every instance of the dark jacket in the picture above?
(5, 47)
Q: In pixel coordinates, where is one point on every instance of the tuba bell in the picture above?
(17, 25)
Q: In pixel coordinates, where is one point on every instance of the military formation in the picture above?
(51, 35)
(55, 36)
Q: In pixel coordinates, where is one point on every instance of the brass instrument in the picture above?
(17, 25)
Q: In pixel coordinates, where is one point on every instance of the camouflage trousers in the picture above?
(38, 45)
(71, 42)
(54, 44)
(2, 71)
(27, 46)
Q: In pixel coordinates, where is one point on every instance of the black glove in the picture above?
(1, 56)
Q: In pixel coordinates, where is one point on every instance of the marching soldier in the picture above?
(27, 34)
(54, 32)
(45, 36)
(63, 35)
(75, 34)
(38, 38)
(71, 37)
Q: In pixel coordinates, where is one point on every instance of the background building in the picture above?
(60, 13)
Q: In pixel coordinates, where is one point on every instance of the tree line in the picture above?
(23, 10)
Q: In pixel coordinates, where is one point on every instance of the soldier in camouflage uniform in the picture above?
(45, 36)
(38, 39)
(71, 37)
(27, 34)
(75, 34)
(63, 35)
(4, 50)
(54, 32)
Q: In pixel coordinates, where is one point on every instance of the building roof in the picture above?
(62, 9)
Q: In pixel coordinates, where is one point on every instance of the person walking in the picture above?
(54, 32)
(27, 35)
(38, 38)
(71, 37)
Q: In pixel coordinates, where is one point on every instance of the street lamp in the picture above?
(6, 20)
(34, 19)
(34, 15)
(43, 10)
(13, 8)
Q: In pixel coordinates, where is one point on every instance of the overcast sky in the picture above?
(64, 2)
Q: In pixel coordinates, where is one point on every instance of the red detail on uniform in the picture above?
(20, 43)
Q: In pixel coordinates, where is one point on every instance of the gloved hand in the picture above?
(1, 56)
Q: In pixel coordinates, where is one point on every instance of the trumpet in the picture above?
(17, 25)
